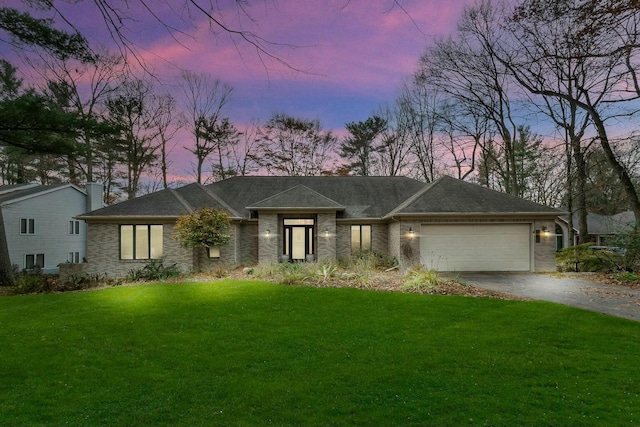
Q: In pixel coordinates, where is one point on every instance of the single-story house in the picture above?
(448, 225)
(602, 228)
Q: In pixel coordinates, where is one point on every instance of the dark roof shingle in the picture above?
(450, 195)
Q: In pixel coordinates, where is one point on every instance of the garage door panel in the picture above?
(483, 247)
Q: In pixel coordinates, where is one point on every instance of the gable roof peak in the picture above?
(297, 197)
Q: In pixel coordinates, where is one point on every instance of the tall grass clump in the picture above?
(285, 273)
(422, 280)
(364, 265)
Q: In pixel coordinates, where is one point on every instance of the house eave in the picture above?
(134, 218)
(295, 209)
(474, 214)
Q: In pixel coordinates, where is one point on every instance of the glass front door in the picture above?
(298, 238)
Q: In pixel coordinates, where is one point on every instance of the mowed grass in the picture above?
(256, 354)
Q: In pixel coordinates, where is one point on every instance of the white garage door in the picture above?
(481, 247)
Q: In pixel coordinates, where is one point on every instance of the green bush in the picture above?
(581, 258)
(630, 242)
(31, 283)
(154, 270)
(627, 276)
(420, 279)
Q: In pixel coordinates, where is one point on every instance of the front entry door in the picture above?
(298, 238)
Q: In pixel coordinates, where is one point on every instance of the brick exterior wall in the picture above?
(545, 252)
(228, 254)
(103, 252)
(268, 246)
(326, 237)
(250, 245)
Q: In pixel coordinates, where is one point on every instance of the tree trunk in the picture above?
(619, 169)
(6, 271)
(580, 197)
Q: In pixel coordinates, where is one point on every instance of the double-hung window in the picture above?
(360, 238)
(74, 227)
(32, 261)
(27, 226)
(140, 241)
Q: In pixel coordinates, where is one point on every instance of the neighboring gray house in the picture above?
(447, 225)
(602, 228)
(40, 228)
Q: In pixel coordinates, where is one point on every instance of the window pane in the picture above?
(32, 226)
(126, 242)
(366, 237)
(77, 257)
(156, 241)
(286, 240)
(40, 260)
(77, 227)
(142, 242)
(23, 226)
(298, 222)
(70, 227)
(355, 238)
(214, 252)
(30, 261)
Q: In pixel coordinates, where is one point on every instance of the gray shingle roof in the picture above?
(606, 224)
(165, 203)
(450, 195)
(14, 192)
(362, 197)
(298, 197)
(350, 197)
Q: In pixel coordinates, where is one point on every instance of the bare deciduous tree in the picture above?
(205, 99)
(294, 147)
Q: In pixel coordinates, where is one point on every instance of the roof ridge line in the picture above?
(180, 199)
(413, 198)
(219, 200)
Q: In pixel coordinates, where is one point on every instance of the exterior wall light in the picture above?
(326, 233)
(411, 233)
(267, 233)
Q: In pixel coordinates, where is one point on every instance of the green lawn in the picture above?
(249, 353)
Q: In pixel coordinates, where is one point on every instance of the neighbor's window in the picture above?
(27, 226)
(214, 252)
(74, 227)
(74, 257)
(32, 261)
(360, 238)
(140, 241)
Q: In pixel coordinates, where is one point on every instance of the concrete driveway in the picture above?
(576, 290)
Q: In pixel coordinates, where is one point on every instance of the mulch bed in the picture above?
(392, 281)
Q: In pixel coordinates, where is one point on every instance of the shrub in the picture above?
(420, 279)
(630, 242)
(206, 228)
(627, 276)
(154, 270)
(30, 283)
(580, 258)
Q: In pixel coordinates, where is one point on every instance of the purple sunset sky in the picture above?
(353, 55)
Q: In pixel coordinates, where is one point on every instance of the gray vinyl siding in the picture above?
(51, 212)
